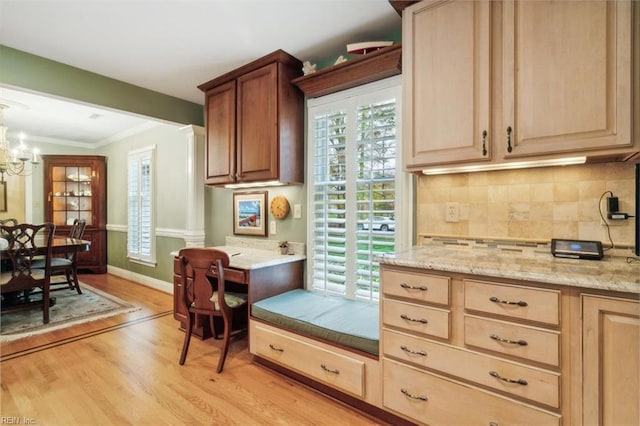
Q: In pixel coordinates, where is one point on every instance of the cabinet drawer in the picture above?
(536, 384)
(529, 343)
(434, 400)
(416, 318)
(338, 371)
(416, 286)
(527, 303)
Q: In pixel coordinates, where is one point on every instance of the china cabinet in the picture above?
(75, 188)
(254, 123)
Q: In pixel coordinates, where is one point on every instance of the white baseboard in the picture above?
(142, 279)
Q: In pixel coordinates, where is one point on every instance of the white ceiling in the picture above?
(168, 46)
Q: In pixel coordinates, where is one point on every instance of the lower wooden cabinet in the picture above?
(611, 357)
(434, 400)
(490, 355)
(348, 372)
(329, 367)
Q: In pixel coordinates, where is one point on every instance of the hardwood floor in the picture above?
(124, 370)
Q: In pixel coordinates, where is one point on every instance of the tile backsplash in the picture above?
(533, 204)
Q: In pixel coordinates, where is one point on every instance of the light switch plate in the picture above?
(297, 211)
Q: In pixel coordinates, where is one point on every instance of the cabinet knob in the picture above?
(410, 395)
(484, 143)
(412, 287)
(512, 342)
(497, 375)
(329, 370)
(508, 302)
(408, 318)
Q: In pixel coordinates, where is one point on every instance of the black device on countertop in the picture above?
(577, 249)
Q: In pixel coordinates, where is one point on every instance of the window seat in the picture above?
(349, 323)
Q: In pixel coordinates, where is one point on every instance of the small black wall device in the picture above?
(577, 249)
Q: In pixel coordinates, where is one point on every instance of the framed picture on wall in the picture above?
(249, 214)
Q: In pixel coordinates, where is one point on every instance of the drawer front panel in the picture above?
(433, 400)
(416, 318)
(527, 303)
(513, 339)
(416, 286)
(533, 384)
(339, 371)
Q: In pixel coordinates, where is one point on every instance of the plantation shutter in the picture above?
(141, 232)
(353, 187)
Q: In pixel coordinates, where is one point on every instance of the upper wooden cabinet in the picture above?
(544, 79)
(254, 123)
(75, 187)
(446, 82)
(566, 76)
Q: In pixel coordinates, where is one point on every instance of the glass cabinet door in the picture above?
(71, 194)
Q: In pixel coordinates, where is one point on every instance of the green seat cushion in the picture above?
(233, 300)
(349, 323)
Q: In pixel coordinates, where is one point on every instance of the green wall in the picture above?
(23, 70)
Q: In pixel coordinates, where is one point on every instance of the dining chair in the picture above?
(25, 243)
(205, 292)
(67, 264)
(9, 221)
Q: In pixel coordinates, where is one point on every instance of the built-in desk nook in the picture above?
(259, 265)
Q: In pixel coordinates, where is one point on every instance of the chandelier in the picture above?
(14, 160)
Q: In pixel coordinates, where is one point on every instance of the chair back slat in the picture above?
(77, 229)
(26, 242)
(202, 271)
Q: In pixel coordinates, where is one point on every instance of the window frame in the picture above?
(349, 100)
(137, 257)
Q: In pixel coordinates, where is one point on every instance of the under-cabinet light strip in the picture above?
(506, 166)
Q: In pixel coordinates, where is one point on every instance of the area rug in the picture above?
(70, 309)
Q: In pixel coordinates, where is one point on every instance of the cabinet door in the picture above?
(446, 82)
(566, 76)
(220, 106)
(611, 354)
(257, 124)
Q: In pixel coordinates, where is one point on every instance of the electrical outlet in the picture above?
(272, 227)
(452, 212)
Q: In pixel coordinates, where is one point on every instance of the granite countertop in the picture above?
(245, 253)
(527, 262)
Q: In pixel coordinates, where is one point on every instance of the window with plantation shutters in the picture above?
(141, 212)
(355, 188)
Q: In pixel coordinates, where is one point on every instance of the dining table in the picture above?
(60, 245)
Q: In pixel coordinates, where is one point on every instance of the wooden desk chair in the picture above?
(205, 293)
(25, 242)
(68, 264)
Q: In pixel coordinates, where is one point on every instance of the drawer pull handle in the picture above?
(328, 370)
(411, 287)
(418, 397)
(512, 342)
(507, 302)
(275, 348)
(508, 380)
(407, 318)
(406, 349)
